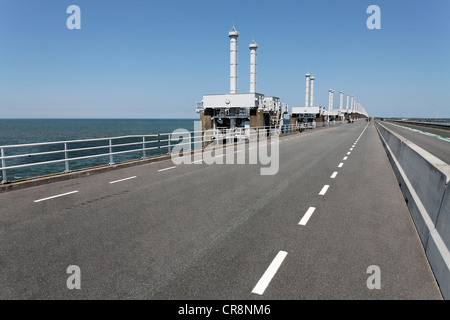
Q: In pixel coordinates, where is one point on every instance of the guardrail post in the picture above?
(169, 144)
(144, 155)
(66, 157)
(111, 159)
(5, 178)
(190, 142)
(159, 143)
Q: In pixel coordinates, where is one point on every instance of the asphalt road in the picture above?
(434, 140)
(222, 231)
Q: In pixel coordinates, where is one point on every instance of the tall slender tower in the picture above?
(330, 99)
(346, 106)
(308, 78)
(253, 46)
(311, 100)
(341, 100)
(233, 34)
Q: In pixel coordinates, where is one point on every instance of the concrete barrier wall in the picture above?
(424, 181)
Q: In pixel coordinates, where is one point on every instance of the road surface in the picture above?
(222, 231)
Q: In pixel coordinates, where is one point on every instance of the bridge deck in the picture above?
(211, 231)
(434, 140)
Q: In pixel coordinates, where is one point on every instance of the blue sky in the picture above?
(156, 58)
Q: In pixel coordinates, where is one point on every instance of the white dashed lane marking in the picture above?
(56, 196)
(129, 178)
(270, 273)
(160, 170)
(306, 216)
(324, 190)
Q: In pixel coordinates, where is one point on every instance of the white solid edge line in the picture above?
(324, 190)
(129, 178)
(57, 196)
(306, 216)
(167, 168)
(340, 165)
(270, 272)
(334, 175)
(421, 132)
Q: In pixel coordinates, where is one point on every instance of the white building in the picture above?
(235, 111)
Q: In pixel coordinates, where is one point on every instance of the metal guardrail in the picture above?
(161, 144)
(66, 151)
